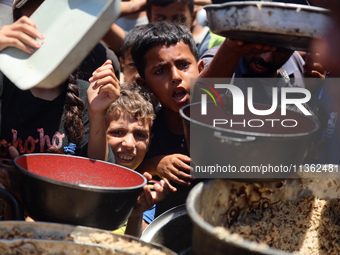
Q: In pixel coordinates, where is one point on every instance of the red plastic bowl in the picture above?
(76, 190)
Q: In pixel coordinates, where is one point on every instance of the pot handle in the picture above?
(225, 138)
(13, 209)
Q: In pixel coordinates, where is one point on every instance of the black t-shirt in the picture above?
(164, 142)
(32, 124)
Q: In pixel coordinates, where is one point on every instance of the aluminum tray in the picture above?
(71, 28)
(291, 26)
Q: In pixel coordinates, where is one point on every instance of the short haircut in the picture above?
(134, 100)
(160, 33)
(164, 3)
(130, 39)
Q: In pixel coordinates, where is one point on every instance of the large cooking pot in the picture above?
(20, 237)
(244, 151)
(76, 190)
(220, 202)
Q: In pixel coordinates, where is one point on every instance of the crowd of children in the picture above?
(132, 118)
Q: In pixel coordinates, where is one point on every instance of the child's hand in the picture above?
(148, 198)
(21, 34)
(104, 88)
(175, 167)
(247, 48)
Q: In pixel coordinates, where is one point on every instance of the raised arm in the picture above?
(103, 90)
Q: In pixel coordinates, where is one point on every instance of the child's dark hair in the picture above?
(164, 3)
(130, 39)
(74, 106)
(73, 114)
(160, 33)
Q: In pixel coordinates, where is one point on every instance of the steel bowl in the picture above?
(76, 190)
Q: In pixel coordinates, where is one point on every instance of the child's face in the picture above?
(129, 68)
(174, 12)
(167, 73)
(128, 138)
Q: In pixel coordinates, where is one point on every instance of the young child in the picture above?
(185, 12)
(127, 65)
(129, 121)
(166, 58)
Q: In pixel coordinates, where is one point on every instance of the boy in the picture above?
(129, 120)
(127, 65)
(185, 12)
(166, 58)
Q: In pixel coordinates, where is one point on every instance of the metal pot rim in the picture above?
(246, 133)
(260, 4)
(209, 229)
(86, 187)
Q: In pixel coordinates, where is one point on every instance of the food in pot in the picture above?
(130, 246)
(106, 239)
(308, 225)
(16, 233)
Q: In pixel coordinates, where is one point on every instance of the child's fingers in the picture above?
(28, 26)
(161, 191)
(104, 72)
(13, 152)
(22, 41)
(183, 163)
(26, 20)
(179, 177)
(171, 188)
(107, 64)
(149, 201)
(147, 175)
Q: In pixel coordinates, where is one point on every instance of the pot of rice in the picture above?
(295, 216)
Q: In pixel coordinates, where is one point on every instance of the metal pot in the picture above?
(18, 237)
(283, 25)
(172, 229)
(219, 202)
(238, 147)
(76, 190)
